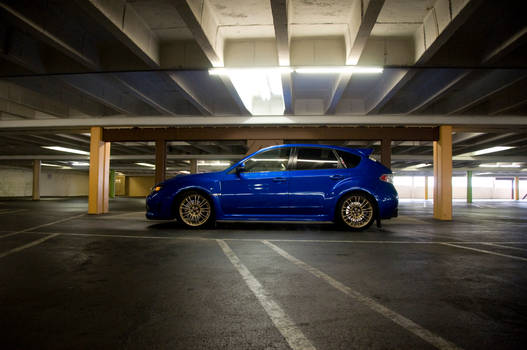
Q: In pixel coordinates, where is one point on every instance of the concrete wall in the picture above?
(139, 186)
(412, 187)
(18, 182)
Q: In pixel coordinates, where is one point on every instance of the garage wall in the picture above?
(139, 186)
(412, 187)
(18, 182)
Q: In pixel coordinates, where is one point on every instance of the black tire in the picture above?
(356, 211)
(194, 209)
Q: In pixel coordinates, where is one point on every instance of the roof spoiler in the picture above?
(365, 151)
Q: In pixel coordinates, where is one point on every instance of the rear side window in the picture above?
(350, 160)
(316, 158)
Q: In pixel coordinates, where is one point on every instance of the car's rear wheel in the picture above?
(356, 211)
(194, 210)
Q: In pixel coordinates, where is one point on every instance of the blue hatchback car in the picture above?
(296, 182)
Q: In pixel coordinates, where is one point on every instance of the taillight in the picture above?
(387, 178)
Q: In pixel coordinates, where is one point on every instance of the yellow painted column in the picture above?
(443, 174)
(99, 184)
(36, 179)
(193, 166)
(517, 188)
(426, 188)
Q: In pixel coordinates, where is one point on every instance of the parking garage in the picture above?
(100, 101)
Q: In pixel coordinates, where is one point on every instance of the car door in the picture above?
(262, 188)
(315, 172)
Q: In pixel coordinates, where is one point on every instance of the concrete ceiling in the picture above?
(79, 63)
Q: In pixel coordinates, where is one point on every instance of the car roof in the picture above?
(365, 152)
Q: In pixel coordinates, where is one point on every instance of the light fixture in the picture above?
(51, 165)
(500, 165)
(66, 149)
(184, 172)
(487, 150)
(213, 163)
(260, 89)
(339, 69)
(80, 163)
(422, 165)
(146, 165)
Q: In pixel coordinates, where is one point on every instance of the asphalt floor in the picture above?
(69, 280)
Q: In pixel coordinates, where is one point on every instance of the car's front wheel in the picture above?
(194, 210)
(356, 211)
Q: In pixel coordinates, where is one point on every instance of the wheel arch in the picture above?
(364, 191)
(177, 197)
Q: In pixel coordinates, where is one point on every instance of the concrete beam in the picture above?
(121, 20)
(46, 27)
(20, 49)
(510, 123)
(361, 32)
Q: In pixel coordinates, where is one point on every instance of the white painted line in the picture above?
(40, 226)
(402, 321)
(485, 251)
(504, 246)
(270, 240)
(292, 334)
(29, 245)
(11, 211)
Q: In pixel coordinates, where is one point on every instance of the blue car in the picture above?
(297, 182)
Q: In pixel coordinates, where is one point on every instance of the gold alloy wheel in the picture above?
(194, 209)
(357, 211)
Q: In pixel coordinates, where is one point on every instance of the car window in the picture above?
(316, 158)
(350, 160)
(272, 160)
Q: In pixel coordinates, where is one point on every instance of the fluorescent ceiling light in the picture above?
(53, 165)
(260, 89)
(422, 165)
(339, 69)
(80, 163)
(184, 172)
(500, 165)
(146, 164)
(488, 150)
(213, 163)
(65, 149)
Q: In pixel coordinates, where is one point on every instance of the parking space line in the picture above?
(402, 321)
(11, 211)
(292, 334)
(40, 226)
(504, 246)
(29, 245)
(270, 240)
(485, 251)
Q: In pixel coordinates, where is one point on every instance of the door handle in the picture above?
(336, 177)
(279, 179)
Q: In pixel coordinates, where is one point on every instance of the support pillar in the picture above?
(426, 187)
(99, 173)
(193, 166)
(517, 188)
(161, 160)
(386, 152)
(112, 183)
(36, 180)
(469, 186)
(443, 174)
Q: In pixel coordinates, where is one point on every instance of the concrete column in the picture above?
(443, 174)
(469, 186)
(112, 184)
(99, 173)
(36, 180)
(426, 188)
(193, 166)
(161, 160)
(517, 188)
(386, 152)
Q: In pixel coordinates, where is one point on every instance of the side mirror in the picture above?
(240, 168)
